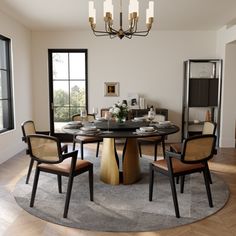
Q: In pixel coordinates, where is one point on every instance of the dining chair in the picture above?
(156, 140)
(28, 127)
(196, 152)
(46, 151)
(208, 128)
(85, 139)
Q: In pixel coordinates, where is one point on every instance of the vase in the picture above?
(120, 119)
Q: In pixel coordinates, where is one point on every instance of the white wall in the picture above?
(10, 142)
(151, 67)
(229, 97)
(227, 52)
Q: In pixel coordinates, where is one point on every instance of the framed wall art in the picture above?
(111, 89)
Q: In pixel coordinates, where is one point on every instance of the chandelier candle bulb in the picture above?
(147, 16)
(151, 9)
(91, 7)
(131, 6)
(107, 7)
(130, 12)
(134, 6)
(112, 12)
(137, 9)
(94, 16)
(104, 9)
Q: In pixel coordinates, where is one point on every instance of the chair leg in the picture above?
(91, 183)
(207, 184)
(64, 149)
(151, 180)
(97, 151)
(36, 178)
(73, 145)
(29, 170)
(155, 152)
(59, 183)
(182, 179)
(177, 180)
(209, 173)
(163, 147)
(174, 195)
(68, 194)
(139, 148)
(82, 151)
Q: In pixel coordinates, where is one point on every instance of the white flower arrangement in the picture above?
(119, 110)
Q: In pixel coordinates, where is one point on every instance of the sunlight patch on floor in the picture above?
(226, 168)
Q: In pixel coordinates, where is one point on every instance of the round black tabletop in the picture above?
(128, 129)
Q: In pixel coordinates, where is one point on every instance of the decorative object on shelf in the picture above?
(208, 116)
(119, 111)
(111, 89)
(142, 103)
(133, 100)
(133, 17)
(151, 114)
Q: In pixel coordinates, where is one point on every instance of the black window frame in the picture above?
(7, 109)
(50, 70)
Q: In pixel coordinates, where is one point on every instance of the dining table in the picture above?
(111, 170)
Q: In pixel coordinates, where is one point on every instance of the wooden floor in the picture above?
(16, 222)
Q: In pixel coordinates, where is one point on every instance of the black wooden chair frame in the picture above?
(59, 174)
(82, 142)
(24, 139)
(168, 157)
(156, 143)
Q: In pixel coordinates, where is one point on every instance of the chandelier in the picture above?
(133, 17)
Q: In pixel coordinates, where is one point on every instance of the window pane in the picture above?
(75, 110)
(3, 56)
(61, 93)
(6, 110)
(77, 93)
(60, 66)
(4, 123)
(61, 114)
(3, 85)
(77, 66)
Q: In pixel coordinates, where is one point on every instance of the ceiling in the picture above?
(169, 14)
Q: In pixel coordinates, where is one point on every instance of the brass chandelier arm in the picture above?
(127, 33)
(108, 28)
(114, 33)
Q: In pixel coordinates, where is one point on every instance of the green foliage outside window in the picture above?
(66, 105)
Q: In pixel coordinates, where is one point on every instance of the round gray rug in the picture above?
(123, 207)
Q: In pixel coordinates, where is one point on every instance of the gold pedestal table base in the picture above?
(110, 172)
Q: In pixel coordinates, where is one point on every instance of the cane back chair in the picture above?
(196, 152)
(28, 128)
(46, 151)
(85, 139)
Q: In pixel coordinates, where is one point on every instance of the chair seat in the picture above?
(176, 147)
(177, 165)
(87, 139)
(65, 166)
(151, 139)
